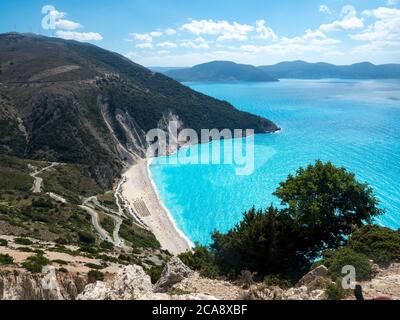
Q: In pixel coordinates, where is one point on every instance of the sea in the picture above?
(352, 123)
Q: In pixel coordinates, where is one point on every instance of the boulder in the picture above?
(130, 283)
(174, 272)
(315, 278)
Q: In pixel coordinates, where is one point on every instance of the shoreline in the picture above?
(139, 187)
(170, 216)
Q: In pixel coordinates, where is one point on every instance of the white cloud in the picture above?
(64, 24)
(79, 36)
(170, 32)
(145, 45)
(194, 44)
(349, 21)
(265, 32)
(386, 28)
(67, 24)
(156, 34)
(167, 44)
(223, 28)
(324, 9)
(317, 34)
(143, 37)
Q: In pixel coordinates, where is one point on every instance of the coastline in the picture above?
(139, 186)
(170, 216)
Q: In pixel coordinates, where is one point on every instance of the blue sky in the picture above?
(188, 32)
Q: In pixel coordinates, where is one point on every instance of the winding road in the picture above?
(37, 183)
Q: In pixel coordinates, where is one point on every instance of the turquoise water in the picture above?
(355, 124)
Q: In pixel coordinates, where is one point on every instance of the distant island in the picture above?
(221, 71)
(305, 70)
(226, 71)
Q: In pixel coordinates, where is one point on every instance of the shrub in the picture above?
(335, 291)
(86, 237)
(3, 243)
(202, 260)
(95, 275)
(6, 259)
(60, 262)
(23, 241)
(94, 266)
(382, 245)
(106, 245)
(276, 281)
(36, 263)
(155, 273)
(342, 257)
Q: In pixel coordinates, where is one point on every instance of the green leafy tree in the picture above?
(326, 203)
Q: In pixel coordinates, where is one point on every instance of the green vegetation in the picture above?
(202, 260)
(6, 259)
(335, 261)
(138, 237)
(3, 243)
(60, 262)
(155, 273)
(382, 245)
(94, 266)
(36, 263)
(95, 275)
(107, 222)
(322, 205)
(23, 241)
(335, 291)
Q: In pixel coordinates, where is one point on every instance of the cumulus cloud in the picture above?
(349, 21)
(170, 32)
(386, 28)
(60, 23)
(265, 32)
(156, 34)
(167, 44)
(142, 37)
(223, 28)
(194, 44)
(79, 36)
(64, 27)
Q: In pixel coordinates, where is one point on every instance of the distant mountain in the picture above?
(305, 70)
(74, 102)
(223, 71)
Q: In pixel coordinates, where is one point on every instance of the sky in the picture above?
(181, 33)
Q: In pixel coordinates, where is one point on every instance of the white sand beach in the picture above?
(142, 196)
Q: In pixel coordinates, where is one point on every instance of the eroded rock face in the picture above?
(130, 283)
(50, 285)
(174, 272)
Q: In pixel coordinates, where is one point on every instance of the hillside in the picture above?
(305, 70)
(223, 71)
(77, 103)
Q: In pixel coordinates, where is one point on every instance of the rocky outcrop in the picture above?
(130, 283)
(316, 279)
(50, 285)
(174, 272)
(386, 282)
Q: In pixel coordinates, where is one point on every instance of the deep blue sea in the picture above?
(355, 124)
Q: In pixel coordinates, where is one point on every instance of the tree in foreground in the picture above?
(322, 205)
(326, 204)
